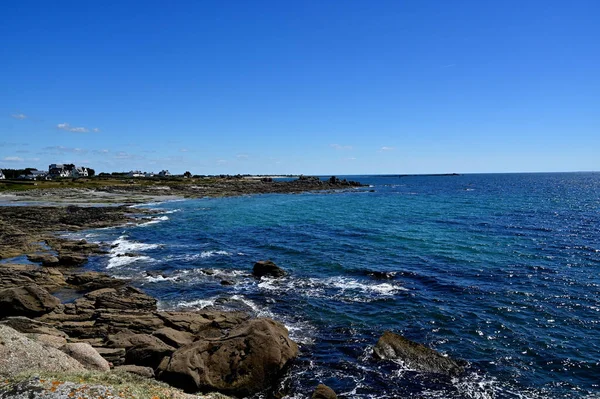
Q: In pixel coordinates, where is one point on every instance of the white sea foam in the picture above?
(344, 288)
(120, 261)
(209, 254)
(124, 246)
(154, 221)
(197, 303)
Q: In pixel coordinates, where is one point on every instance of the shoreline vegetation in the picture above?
(68, 331)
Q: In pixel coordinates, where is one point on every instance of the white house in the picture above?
(136, 173)
(59, 170)
(164, 173)
(80, 172)
(2, 177)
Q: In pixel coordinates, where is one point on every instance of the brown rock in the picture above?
(125, 298)
(45, 259)
(414, 355)
(49, 340)
(94, 281)
(30, 300)
(31, 326)
(71, 260)
(323, 392)
(245, 361)
(116, 356)
(173, 337)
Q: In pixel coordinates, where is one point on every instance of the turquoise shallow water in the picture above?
(499, 270)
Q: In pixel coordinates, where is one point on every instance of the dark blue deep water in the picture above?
(500, 270)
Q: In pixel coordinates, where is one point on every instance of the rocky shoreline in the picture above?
(60, 317)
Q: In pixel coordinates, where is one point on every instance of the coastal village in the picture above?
(59, 171)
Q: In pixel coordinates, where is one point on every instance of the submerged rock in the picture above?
(30, 300)
(267, 268)
(244, 361)
(323, 392)
(414, 355)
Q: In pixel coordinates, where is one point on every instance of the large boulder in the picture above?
(267, 268)
(20, 354)
(323, 392)
(86, 355)
(414, 355)
(246, 360)
(71, 260)
(30, 301)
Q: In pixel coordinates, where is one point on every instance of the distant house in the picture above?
(136, 173)
(2, 177)
(164, 173)
(60, 170)
(80, 172)
(34, 175)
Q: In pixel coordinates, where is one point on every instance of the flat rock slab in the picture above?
(29, 300)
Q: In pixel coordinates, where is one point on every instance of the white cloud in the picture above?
(96, 130)
(351, 159)
(221, 161)
(387, 149)
(19, 116)
(242, 156)
(183, 150)
(340, 147)
(12, 159)
(69, 128)
(62, 150)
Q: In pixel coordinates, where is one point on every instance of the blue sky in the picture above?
(314, 87)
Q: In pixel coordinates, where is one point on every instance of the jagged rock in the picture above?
(15, 275)
(267, 268)
(45, 259)
(227, 282)
(414, 355)
(125, 298)
(147, 372)
(323, 392)
(30, 300)
(205, 324)
(71, 260)
(173, 337)
(20, 354)
(248, 359)
(94, 281)
(86, 355)
(26, 325)
(112, 321)
(128, 339)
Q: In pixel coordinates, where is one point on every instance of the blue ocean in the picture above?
(499, 270)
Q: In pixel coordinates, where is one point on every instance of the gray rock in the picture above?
(267, 268)
(414, 355)
(86, 355)
(50, 340)
(20, 354)
(147, 372)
